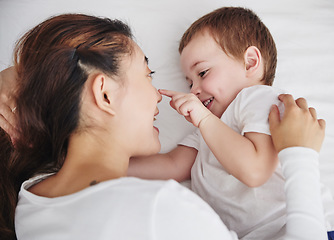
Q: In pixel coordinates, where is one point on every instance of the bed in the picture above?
(303, 31)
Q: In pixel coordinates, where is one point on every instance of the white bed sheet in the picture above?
(303, 31)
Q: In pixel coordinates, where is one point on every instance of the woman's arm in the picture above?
(299, 136)
(305, 214)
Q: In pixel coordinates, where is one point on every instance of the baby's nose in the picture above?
(195, 89)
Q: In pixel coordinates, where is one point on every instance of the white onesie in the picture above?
(253, 213)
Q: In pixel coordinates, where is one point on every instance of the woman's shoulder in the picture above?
(119, 193)
(125, 186)
(164, 208)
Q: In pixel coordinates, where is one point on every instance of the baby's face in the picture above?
(214, 77)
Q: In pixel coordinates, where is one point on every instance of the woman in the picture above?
(85, 105)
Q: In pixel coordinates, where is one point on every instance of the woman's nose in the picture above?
(159, 96)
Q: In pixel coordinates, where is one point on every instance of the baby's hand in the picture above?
(188, 105)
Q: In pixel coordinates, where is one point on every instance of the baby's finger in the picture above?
(179, 101)
(168, 93)
(177, 107)
(184, 110)
(171, 103)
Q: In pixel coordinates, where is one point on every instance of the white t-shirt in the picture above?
(130, 208)
(253, 213)
(122, 209)
(305, 213)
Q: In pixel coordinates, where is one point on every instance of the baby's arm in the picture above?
(175, 164)
(250, 158)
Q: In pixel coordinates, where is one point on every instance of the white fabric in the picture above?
(253, 213)
(124, 209)
(129, 208)
(249, 111)
(303, 31)
(305, 212)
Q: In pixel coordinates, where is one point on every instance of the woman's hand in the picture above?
(7, 103)
(188, 105)
(298, 127)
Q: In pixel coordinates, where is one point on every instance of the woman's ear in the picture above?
(253, 60)
(103, 89)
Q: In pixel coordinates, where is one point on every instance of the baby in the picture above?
(229, 59)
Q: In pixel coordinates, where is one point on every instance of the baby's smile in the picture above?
(207, 102)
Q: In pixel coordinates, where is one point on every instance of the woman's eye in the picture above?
(191, 85)
(151, 74)
(201, 74)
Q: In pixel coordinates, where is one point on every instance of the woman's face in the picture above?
(138, 106)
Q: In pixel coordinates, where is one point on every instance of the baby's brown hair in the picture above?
(235, 29)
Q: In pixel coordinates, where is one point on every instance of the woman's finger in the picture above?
(8, 116)
(322, 123)
(287, 100)
(274, 117)
(302, 103)
(8, 128)
(313, 112)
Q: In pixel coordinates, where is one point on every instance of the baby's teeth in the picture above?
(206, 103)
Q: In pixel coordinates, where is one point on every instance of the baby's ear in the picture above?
(253, 60)
(103, 88)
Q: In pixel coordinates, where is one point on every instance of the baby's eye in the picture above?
(201, 74)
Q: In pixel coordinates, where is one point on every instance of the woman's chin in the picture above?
(151, 149)
(156, 148)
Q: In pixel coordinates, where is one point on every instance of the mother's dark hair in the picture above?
(53, 61)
